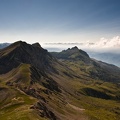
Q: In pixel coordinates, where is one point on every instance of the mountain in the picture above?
(38, 85)
(112, 58)
(73, 54)
(3, 45)
(95, 68)
(21, 52)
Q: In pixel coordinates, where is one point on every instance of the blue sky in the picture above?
(59, 20)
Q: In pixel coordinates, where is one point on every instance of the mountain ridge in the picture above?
(98, 69)
(21, 52)
(40, 86)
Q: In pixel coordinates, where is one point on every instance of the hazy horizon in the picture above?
(103, 45)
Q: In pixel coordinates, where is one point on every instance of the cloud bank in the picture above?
(108, 43)
(103, 44)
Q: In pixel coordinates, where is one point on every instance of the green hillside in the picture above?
(35, 85)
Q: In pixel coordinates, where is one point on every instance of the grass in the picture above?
(17, 107)
(15, 104)
(95, 108)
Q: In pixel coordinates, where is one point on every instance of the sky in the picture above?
(60, 21)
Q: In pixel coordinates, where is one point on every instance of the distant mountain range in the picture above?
(112, 58)
(3, 45)
(108, 57)
(68, 85)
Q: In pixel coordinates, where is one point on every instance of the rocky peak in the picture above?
(36, 45)
(21, 52)
(18, 43)
(74, 48)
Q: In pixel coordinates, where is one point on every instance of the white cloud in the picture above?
(108, 43)
(104, 45)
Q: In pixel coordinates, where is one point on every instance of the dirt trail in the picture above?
(79, 113)
(76, 108)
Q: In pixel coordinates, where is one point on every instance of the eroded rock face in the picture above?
(44, 111)
(34, 93)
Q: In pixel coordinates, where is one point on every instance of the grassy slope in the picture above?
(96, 108)
(74, 102)
(15, 104)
